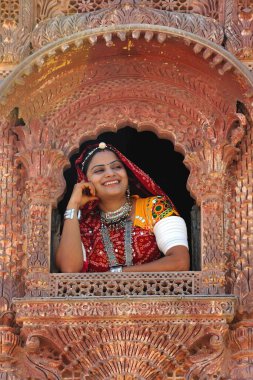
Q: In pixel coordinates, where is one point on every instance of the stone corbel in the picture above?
(207, 181)
(44, 185)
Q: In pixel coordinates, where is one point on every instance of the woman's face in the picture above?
(108, 175)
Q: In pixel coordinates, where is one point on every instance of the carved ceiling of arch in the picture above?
(60, 27)
(87, 71)
(61, 68)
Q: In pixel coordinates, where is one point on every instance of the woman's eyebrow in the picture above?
(105, 164)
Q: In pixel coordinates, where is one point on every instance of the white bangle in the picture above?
(169, 232)
(72, 213)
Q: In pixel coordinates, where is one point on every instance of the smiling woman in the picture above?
(108, 229)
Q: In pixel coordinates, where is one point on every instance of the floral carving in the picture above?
(241, 230)
(9, 10)
(9, 340)
(49, 31)
(50, 8)
(208, 8)
(41, 160)
(44, 185)
(239, 31)
(88, 309)
(11, 233)
(14, 43)
(241, 345)
(160, 349)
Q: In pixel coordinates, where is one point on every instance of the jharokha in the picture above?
(71, 70)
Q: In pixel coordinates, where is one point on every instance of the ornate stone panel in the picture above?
(46, 9)
(154, 338)
(239, 29)
(241, 232)
(11, 229)
(9, 10)
(11, 246)
(241, 365)
(43, 187)
(50, 8)
(51, 30)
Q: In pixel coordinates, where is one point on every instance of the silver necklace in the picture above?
(127, 244)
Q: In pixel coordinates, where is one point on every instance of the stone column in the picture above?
(207, 181)
(11, 247)
(45, 183)
(241, 238)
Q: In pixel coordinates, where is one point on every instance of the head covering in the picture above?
(139, 182)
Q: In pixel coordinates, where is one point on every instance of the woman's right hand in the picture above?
(83, 193)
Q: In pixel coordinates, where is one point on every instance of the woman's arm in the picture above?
(69, 255)
(176, 259)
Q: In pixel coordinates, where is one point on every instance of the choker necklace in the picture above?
(116, 219)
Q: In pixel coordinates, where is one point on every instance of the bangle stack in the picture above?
(72, 214)
(116, 269)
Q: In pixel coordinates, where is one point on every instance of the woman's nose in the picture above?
(109, 171)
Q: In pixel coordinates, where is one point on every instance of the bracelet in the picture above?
(116, 269)
(71, 213)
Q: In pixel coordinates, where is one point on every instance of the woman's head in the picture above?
(107, 173)
(139, 182)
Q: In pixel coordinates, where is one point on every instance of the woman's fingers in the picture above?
(88, 188)
(88, 192)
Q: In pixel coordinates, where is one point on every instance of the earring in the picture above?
(128, 193)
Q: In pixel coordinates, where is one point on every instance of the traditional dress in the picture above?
(150, 209)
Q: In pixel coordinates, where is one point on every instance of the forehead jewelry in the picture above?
(101, 146)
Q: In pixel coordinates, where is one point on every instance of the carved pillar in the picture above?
(208, 167)
(44, 185)
(11, 247)
(242, 265)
